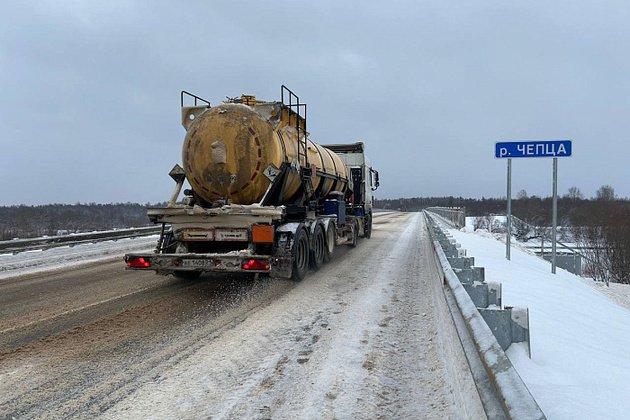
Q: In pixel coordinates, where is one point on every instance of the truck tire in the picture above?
(331, 238)
(318, 249)
(367, 232)
(300, 255)
(187, 275)
(355, 234)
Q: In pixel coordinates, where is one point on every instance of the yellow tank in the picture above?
(228, 148)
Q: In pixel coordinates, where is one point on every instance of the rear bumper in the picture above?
(217, 263)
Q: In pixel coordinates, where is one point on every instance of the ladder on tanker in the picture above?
(298, 111)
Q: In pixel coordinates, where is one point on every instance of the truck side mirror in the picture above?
(375, 177)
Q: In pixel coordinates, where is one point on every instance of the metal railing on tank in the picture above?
(294, 109)
(292, 102)
(196, 99)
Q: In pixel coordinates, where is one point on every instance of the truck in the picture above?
(263, 197)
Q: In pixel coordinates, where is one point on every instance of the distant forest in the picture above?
(534, 210)
(600, 226)
(53, 219)
(573, 209)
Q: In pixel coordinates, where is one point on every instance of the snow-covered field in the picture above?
(30, 262)
(580, 337)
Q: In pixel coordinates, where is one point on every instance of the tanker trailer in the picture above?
(264, 198)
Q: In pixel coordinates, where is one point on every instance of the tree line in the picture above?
(52, 219)
(572, 206)
(600, 225)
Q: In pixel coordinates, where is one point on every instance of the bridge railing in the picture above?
(455, 215)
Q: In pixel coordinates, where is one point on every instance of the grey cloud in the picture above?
(90, 108)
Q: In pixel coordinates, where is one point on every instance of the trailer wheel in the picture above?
(187, 275)
(331, 238)
(319, 248)
(355, 234)
(300, 255)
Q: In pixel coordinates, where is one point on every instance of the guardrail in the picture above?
(455, 215)
(20, 245)
(501, 389)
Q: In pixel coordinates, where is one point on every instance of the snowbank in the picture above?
(579, 337)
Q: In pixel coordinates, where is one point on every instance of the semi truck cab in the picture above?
(364, 180)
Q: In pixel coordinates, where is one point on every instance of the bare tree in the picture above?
(604, 233)
(617, 233)
(574, 194)
(605, 193)
(522, 194)
(484, 222)
(521, 228)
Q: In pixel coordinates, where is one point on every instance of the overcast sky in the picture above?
(89, 108)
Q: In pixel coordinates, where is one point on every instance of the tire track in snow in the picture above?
(333, 346)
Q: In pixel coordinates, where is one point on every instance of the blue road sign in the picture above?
(524, 149)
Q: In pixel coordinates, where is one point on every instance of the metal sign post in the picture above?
(554, 217)
(508, 235)
(524, 149)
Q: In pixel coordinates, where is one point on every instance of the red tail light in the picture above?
(256, 265)
(138, 262)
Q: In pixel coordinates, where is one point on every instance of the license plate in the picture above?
(230, 235)
(197, 235)
(196, 263)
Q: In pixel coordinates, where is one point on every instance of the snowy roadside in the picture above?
(579, 336)
(620, 293)
(31, 262)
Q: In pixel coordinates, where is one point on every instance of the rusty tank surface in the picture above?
(232, 151)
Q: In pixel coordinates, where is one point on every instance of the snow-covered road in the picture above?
(360, 338)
